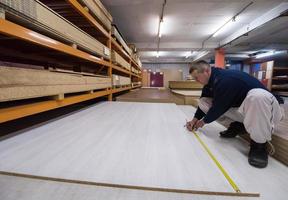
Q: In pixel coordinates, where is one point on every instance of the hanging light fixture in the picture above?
(161, 28)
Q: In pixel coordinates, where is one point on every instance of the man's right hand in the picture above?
(190, 124)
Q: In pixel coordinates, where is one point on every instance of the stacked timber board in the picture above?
(136, 58)
(120, 39)
(19, 83)
(136, 71)
(39, 17)
(99, 11)
(191, 97)
(116, 58)
(118, 80)
(136, 83)
(192, 85)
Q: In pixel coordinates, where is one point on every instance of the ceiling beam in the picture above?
(270, 15)
(175, 46)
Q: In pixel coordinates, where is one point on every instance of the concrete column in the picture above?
(220, 58)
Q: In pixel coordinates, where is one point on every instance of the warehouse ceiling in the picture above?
(188, 26)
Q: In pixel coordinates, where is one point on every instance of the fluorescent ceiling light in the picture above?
(224, 27)
(161, 28)
(157, 54)
(190, 53)
(269, 53)
(237, 55)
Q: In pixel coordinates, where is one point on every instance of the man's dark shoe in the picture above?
(258, 155)
(234, 129)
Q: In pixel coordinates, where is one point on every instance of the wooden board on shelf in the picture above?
(35, 40)
(52, 25)
(121, 69)
(116, 58)
(98, 10)
(18, 83)
(282, 87)
(77, 73)
(118, 80)
(16, 112)
(119, 38)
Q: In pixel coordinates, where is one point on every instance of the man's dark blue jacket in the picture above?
(227, 88)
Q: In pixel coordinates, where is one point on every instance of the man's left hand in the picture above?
(199, 124)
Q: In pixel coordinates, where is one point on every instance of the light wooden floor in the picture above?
(151, 95)
(140, 144)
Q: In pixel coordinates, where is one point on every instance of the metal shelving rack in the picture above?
(42, 50)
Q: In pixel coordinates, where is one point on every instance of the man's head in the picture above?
(201, 71)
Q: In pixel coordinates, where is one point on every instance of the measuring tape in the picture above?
(229, 179)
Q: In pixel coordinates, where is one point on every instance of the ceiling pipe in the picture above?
(231, 19)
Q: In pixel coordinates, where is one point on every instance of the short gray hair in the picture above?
(200, 66)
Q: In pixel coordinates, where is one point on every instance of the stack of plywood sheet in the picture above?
(133, 47)
(139, 62)
(136, 83)
(136, 57)
(97, 9)
(136, 71)
(120, 80)
(192, 85)
(120, 39)
(280, 137)
(116, 58)
(125, 80)
(39, 17)
(191, 97)
(19, 83)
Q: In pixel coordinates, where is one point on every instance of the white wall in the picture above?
(157, 67)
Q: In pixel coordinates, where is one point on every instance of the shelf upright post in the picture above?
(109, 44)
(130, 61)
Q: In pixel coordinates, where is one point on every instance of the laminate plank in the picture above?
(140, 144)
